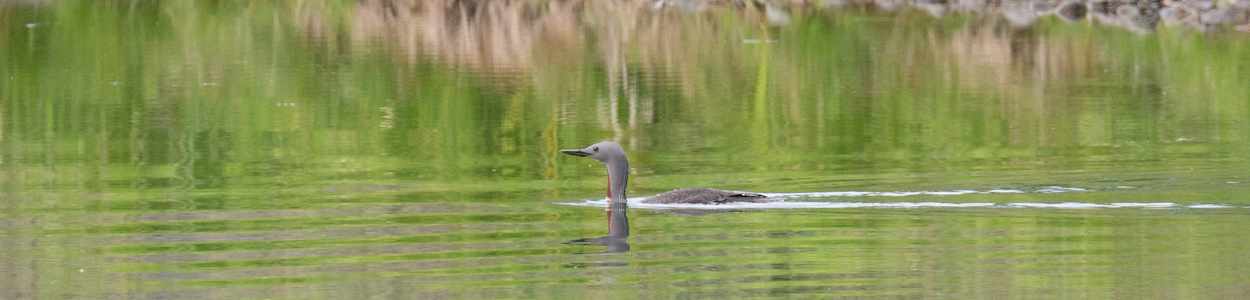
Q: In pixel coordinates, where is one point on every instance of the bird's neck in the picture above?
(618, 178)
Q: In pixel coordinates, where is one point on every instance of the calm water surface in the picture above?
(343, 150)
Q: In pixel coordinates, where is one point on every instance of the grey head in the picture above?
(613, 157)
(605, 151)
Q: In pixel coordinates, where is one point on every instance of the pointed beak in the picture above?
(575, 152)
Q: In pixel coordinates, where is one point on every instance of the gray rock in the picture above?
(1044, 6)
(1214, 16)
(1176, 15)
(1071, 11)
(1019, 16)
(1128, 11)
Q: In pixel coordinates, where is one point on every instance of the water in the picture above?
(340, 150)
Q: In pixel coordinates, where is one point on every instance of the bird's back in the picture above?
(698, 195)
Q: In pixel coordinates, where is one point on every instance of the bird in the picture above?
(612, 156)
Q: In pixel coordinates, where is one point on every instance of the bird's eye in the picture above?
(596, 149)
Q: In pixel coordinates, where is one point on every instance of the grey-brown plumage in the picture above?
(702, 195)
(613, 157)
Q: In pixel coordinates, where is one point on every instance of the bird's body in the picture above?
(613, 157)
(703, 195)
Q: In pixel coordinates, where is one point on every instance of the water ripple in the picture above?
(790, 201)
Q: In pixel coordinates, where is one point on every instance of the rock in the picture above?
(934, 9)
(1174, 15)
(1071, 11)
(1214, 16)
(888, 5)
(1044, 6)
(1128, 11)
(1203, 5)
(776, 16)
(1019, 16)
(834, 3)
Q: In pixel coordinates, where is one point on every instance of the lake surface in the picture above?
(343, 150)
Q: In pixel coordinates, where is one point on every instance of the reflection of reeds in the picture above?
(486, 34)
(534, 42)
(642, 54)
(833, 80)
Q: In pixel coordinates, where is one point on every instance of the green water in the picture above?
(342, 150)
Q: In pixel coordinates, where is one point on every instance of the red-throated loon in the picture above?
(618, 176)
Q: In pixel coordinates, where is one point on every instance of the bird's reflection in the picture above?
(618, 230)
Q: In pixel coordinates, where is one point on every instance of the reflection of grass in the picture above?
(855, 252)
(355, 259)
(445, 239)
(268, 281)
